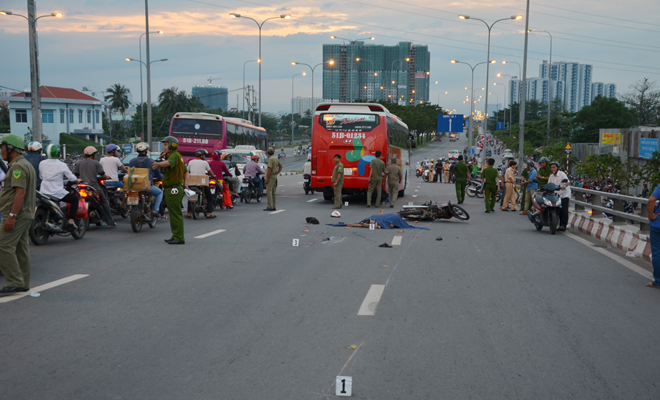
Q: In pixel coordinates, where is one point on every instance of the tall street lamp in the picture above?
(358, 59)
(490, 27)
(35, 95)
(260, 25)
(471, 126)
(510, 105)
(352, 42)
(259, 61)
(141, 98)
(330, 62)
(407, 59)
(303, 74)
(549, 79)
(498, 106)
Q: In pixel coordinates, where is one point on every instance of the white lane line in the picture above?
(414, 195)
(620, 260)
(370, 302)
(396, 241)
(209, 234)
(312, 200)
(276, 212)
(416, 190)
(43, 287)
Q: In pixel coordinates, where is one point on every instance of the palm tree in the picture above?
(172, 101)
(118, 98)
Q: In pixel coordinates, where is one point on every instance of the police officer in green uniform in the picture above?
(376, 179)
(17, 205)
(337, 180)
(271, 179)
(462, 175)
(490, 179)
(175, 180)
(544, 172)
(523, 188)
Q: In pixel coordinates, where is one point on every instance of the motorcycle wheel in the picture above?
(554, 222)
(498, 196)
(479, 193)
(124, 211)
(459, 212)
(471, 191)
(153, 222)
(411, 214)
(306, 191)
(196, 206)
(259, 199)
(82, 224)
(248, 197)
(38, 235)
(538, 226)
(136, 221)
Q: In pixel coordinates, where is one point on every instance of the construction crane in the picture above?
(211, 80)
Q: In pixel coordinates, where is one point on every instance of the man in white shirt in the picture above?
(199, 166)
(53, 173)
(560, 179)
(111, 165)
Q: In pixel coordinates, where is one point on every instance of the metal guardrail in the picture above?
(619, 216)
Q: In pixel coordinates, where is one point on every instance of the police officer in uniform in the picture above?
(544, 172)
(17, 205)
(175, 180)
(376, 179)
(490, 180)
(337, 180)
(462, 175)
(271, 178)
(394, 176)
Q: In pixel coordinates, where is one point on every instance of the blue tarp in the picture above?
(385, 220)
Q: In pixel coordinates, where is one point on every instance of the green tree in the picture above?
(4, 113)
(645, 101)
(118, 98)
(603, 113)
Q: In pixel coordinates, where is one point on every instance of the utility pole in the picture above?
(35, 95)
(146, 16)
(523, 96)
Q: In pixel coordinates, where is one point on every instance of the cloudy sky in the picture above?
(88, 46)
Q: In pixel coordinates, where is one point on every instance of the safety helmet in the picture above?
(255, 158)
(53, 151)
(142, 146)
(335, 214)
(555, 163)
(217, 152)
(530, 163)
(201, 152)
(171, 141)
(13, 140)
(34, 146)
(111, 147)
(90, 151)
(543, 160)
(432, 159)
(309, 157)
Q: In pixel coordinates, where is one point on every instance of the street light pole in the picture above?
(142, 104)
(35, 95)
(490, 27)
(141, 99)
(148, 65)
(521, 136)
(407, 59)
(313, 106)
(260, 25)
(303, 74)
(471, 126)
(243, 115)
(549, 80)
(510, 105)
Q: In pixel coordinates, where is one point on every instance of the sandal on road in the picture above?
(210, 216)
(187, 216)
(653, 285)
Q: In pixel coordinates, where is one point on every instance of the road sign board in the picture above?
(452, 123)
(500, 126)
(568, 146)
(568, 151)
(128, 149)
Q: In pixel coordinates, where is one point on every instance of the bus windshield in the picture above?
(202, 128)
(349, 122)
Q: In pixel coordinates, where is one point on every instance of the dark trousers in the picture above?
(563, 216)
(655, 253)
(105, 204)
(72, 198)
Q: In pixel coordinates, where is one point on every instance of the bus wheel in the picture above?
(328, 195)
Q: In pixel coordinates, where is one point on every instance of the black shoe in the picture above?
(7, 290)
(174, 241)
(169, 240)
(368, 206)
(487, 211)
(112, 224)
(391, 206)
(269, 209)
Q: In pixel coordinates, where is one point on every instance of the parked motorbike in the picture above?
(431, 211)
(474, 189)
(140, 205)
(307, 184)
(547, 207)
(249, 190)
(425, 175)
(51, 218)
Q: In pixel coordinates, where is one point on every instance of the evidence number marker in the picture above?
(344, 386)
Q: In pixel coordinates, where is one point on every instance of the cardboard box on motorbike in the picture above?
(199, 180)
(137, 179)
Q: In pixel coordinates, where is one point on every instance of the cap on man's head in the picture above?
(271, 150)
(394, 160)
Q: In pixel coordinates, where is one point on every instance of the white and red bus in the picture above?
(214, 132)
(356, 131)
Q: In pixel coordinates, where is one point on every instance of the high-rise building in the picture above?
(603, 89)
(300, 105)
(398, 73)
(213, 97)
(576, 82)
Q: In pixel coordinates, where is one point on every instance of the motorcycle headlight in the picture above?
(548, 203)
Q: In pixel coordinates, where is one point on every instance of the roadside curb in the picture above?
(287, 173)
(615, 235)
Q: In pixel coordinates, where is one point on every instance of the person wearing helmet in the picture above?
(175, 180)
(544, 171)
(143, 161)
(88, 170)
(433, 176)
(35, 158)
(53, 175)
(199, 166)
(221, 171)
(234, 173)
(530, 186)
(252, 170)
(111, 165)
(559, 178)
(17, 205)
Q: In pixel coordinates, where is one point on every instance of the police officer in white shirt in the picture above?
(560, 179)
(199, 166)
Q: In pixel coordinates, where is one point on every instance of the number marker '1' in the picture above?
(344, 386)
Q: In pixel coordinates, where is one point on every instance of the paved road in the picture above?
(494, 310)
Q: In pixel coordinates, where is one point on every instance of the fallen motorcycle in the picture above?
(431, 211)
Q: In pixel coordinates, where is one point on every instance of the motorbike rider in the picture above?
(53, 174)
(307, 167)
(560, 179)
(531, 187)
(219, 169)
(34, 157)
(88, 170)
(252, 170)
(234, 184)
(143, 161)
(199, 166)
(544, 171)
(111, 165)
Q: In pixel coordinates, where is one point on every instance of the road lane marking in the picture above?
(620, 260)
(43, 287)
(414, 195)
(276, 212)
(416, 190)
(209, 234)
(370, 302)
(396, 241)
(312, 200)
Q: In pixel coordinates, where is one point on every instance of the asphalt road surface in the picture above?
(494, 310)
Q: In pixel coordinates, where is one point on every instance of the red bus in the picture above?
(356, 131)
(214, 132)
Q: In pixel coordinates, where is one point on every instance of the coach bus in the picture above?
(356, 131)
(214, 132)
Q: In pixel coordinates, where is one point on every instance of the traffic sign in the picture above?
(568, 146)
(452, 123)
(500, 126)
(568, 151)
(128, 149)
